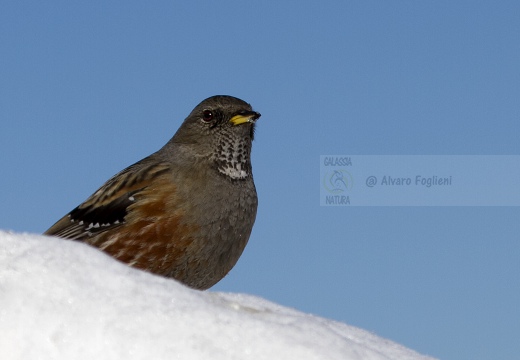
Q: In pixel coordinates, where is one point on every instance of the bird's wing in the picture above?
(108, 206)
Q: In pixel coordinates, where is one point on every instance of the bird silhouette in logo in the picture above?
(337, 180)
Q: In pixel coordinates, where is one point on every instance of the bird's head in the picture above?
(221, 130)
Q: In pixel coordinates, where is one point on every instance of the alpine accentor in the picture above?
(185, 211)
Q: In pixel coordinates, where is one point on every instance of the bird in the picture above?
(184, 212)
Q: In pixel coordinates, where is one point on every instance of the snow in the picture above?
(65, 300)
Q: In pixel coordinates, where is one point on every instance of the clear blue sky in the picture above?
(89, 88)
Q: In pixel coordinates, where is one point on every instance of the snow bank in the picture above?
(65, 300)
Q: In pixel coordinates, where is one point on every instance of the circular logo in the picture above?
(337, 181)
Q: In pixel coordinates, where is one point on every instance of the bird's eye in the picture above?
(207, 115)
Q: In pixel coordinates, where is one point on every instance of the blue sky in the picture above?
(89, 88)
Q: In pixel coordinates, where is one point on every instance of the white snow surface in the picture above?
(62, 299)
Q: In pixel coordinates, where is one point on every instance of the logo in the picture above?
(337, 181)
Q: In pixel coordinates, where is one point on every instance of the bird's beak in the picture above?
(245, 117)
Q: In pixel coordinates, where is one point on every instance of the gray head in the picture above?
(220, 129)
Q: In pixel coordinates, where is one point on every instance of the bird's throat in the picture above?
(233, 157)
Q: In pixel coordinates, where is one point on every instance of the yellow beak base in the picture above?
(244, 118)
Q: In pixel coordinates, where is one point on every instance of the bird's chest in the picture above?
(220, 215)
(217, 205)
(226, 205)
